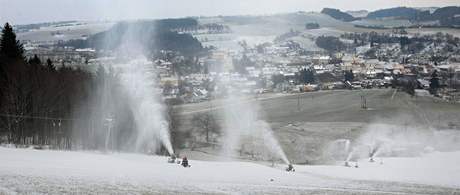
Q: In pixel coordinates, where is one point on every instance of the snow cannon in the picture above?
(290, 168)
(347, 164)
(172, 159)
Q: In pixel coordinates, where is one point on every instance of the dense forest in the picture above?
(152, 36)
(37, 99)
(330, 43)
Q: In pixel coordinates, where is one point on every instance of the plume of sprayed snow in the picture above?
(243, 127)
(385, 140)
(238, 121)
(339, 149)
(139, 80)
(270, 141)
(138, 77)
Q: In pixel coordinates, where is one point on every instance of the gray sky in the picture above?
(32, 11)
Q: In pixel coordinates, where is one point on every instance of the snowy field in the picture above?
(438, 168)
(28, 171)
(66, 32)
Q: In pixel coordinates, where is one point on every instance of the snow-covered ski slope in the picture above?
(28, 171)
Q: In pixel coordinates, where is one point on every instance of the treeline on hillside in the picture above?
(400, 12)
(413, 44)
(330, 43)
(312, 25)
(152, 36)
(447, 16)
(63, 108)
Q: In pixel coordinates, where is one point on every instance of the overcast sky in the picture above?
(33, 11)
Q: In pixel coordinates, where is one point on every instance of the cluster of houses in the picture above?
(278, 68)
(329, 69)
(59, 55)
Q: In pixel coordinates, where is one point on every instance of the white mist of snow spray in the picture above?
(344, 142)
(241, 122)
(270, 141)
(237, 121)
(350, 154)
(139, 80)
(347, 145)
(393, 140)
(338, 150)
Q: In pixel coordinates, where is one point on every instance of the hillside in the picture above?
(431, 16)
(327, 115)
(446, 16)
(399, 12)
(154, 35)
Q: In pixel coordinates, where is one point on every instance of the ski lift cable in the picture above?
(38, 117)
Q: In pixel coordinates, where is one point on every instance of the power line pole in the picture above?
(298, 102)
(363, 101)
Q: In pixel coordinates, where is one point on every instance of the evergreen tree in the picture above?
(35, 60)
(277, 79)
(50, 66)
(9, 46)
(404, 41)
(434, 83)
(349, 76)
(307, 76)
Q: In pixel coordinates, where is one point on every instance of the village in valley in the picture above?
(331, 101)
(371, 58)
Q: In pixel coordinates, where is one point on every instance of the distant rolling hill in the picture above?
(151, 35)
(399, 12)
(337, 14)
(446, 16)
(431, 16)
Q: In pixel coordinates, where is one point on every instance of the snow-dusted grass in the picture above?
(27, 171)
